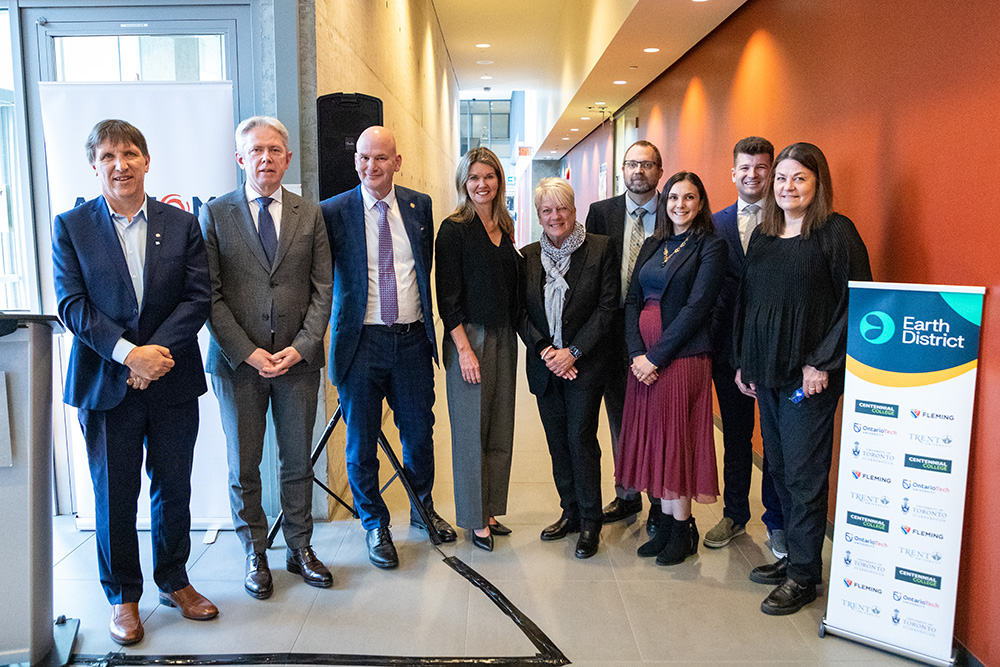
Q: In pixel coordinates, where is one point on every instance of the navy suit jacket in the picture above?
(727, 229)
(694, 277)
(97, 302)
(345, 224)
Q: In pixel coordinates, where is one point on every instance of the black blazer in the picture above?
(695, 276)
(591, 301)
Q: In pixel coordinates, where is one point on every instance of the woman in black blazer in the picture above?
(667, 446)
(571, 287)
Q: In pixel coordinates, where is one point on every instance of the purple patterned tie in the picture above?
(386, 267)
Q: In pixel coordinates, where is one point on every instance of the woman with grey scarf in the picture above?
(571, 293)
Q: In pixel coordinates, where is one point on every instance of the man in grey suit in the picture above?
(269, 258)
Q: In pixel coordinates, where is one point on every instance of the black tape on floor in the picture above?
(548, 653)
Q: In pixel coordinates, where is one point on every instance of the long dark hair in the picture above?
(466, 210)
(820, 208)
(702, 224)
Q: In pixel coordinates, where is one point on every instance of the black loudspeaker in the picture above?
(341, 117)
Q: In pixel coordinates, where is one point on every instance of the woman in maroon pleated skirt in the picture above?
(667, 448)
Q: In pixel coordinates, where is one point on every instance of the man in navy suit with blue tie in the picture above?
(382, 339)
(131, 279)
(752, 158)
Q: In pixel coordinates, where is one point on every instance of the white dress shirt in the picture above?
(132, 237)
(274, 208)
(407, 291)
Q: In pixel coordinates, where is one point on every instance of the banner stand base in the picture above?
(824, 627)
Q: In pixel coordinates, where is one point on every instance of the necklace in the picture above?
(668, 255)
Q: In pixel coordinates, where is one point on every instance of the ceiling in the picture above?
(565, 54)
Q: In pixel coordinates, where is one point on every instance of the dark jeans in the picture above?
(569, 412)
(396, 367)
(737, 412)
(798, 441)
(115, 440)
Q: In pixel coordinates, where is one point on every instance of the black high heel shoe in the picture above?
(484, 543)
(498, 528)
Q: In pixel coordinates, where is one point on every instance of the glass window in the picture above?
(139, 58)
(13, 295)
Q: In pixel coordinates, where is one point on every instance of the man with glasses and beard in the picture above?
(627, 220)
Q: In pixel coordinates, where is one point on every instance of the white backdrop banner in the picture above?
(189, 134)
(912, 354)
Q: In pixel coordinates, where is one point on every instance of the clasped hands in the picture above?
(272, 365)
(147, 363)
(560, 361)
(644, 370)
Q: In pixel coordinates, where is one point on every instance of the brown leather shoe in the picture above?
(192, 604)
(126, 626)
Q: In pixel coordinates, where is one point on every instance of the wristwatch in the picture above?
(575, 351)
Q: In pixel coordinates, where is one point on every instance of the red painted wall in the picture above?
(904, 99)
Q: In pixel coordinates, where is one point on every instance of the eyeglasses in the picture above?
(647, 165)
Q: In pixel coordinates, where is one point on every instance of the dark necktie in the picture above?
(265, 229)
(386, 267)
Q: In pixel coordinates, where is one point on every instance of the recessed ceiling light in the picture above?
(619, 82)
(482, 46)
(600, 104)
(553, 151)
(651, 49)
(584, 117)
(633, 67)
(565, 138)
(698, 0)
(486, 77)
(574, 129)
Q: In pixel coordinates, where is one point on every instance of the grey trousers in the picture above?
(482, 424)
(243, 399)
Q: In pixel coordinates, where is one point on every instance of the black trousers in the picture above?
(737, 412)
(798, 443)
(569, 411)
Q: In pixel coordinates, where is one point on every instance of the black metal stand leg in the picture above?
(421, 510)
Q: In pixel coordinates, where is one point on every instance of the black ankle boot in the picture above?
(664, 528)
(683, 543)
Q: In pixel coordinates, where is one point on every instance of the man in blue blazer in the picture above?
(382, 337)
(752, 159)
(131, 279)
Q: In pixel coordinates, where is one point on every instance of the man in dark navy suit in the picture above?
(627, 220)
(382, 339)
(131, 279)
(752, 158)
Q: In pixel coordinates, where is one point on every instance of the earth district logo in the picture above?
(877, 327)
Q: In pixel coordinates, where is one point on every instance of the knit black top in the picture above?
(791, 305)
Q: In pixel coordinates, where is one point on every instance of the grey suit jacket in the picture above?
(298, 288)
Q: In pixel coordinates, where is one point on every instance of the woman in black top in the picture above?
(478, 298)
(790, 345)
(667, 445)
(571, 294)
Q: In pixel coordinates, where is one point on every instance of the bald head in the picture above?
(376, 160)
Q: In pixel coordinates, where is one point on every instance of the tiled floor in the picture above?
(611, 610)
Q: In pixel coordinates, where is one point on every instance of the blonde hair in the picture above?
(466, 210)
(557, 189)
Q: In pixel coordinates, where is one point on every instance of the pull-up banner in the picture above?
(912, 352)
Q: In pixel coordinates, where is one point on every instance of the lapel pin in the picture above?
(412, 205)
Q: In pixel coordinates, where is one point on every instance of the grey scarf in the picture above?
(555, 261)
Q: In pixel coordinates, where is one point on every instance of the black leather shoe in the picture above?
(381, 550)
(772, 574)
(683, 542)
(484, 543)
(303, 561)
(653, 520)
(788, 598)
(590, 537)
(258, 576)
(620, 509)
(443, 528)
(560, 529)
(497, 528)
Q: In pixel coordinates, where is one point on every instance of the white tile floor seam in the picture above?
(613, 610)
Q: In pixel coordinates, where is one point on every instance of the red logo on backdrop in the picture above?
(175, 200)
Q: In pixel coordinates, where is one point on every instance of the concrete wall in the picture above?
(392, 50)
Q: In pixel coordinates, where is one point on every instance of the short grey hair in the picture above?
(254, 122)
(557, 189)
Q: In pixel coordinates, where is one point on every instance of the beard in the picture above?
(639, 186)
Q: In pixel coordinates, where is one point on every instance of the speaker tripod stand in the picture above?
(432, 533)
